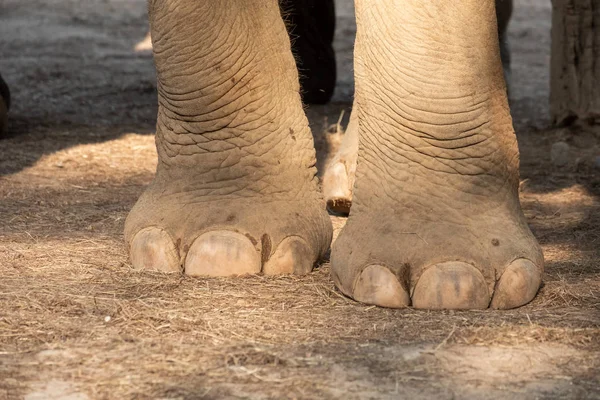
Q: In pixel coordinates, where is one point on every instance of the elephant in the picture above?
(435, 222)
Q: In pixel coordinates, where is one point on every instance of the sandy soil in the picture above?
(77, 323)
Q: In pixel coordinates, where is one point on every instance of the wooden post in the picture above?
(575, 65)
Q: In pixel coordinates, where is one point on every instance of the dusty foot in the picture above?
(424, 251)
(436, 221)
(430, 244)
(434, 224)
(338, 179)
(172, 230)
(236, 190)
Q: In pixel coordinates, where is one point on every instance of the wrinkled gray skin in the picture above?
(339, 176)
(435, 221)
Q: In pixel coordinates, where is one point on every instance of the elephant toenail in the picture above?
(518, 285)
(222, 253)
(451, 285)
(152, 248)
(292, 256)
(379, 286)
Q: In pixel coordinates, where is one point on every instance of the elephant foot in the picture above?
(434, 240)
(435, 257)
(338, 179)
(436, 221)
(227, 235)
(236, 190)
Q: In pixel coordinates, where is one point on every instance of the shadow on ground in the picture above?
(77, 321)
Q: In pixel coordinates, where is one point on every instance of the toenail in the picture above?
(292, 256)
(451, 285)
(222, 253)
(518, 285)
(152, 248)
(379, 286)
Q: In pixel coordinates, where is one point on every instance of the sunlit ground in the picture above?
(77, 321)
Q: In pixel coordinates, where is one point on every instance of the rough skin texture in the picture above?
(236, 181)
(338, 179)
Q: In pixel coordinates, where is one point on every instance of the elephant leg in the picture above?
(338, 179)
(436, 220)
(311, 25)
(4, 106)
(235, 190)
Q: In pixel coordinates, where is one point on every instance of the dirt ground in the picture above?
(76, 322)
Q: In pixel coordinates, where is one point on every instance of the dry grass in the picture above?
(75, 319)
(76, 312)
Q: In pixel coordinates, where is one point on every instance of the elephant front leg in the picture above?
(235, 190)
(339, 176)
(435, 220)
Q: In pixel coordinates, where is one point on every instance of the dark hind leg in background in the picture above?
(4, 105)
(504, 9)
(311, 25)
